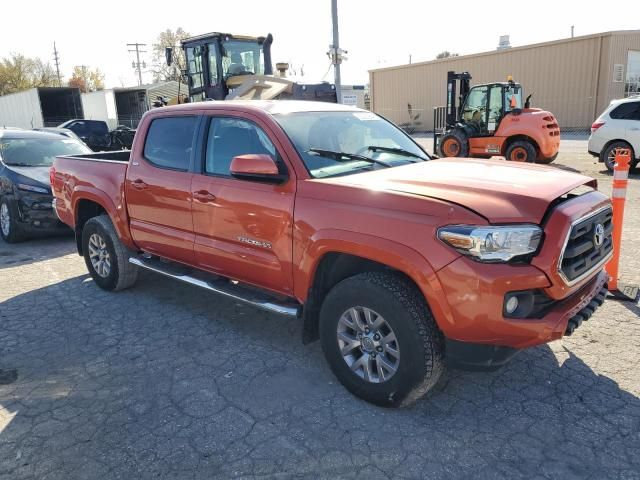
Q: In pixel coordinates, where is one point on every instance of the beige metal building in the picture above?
(575, 78)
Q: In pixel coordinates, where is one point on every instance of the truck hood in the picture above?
(500, 191)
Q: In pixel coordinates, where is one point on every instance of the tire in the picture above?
(10, 230)
(418, 341)
(608, 154)
(521, 151)
(454, 144)
(99, 235)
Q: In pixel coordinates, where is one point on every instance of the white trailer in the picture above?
(21, 110)
(40, 107)
(100, 105)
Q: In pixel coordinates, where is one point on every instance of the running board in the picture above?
(220, 285)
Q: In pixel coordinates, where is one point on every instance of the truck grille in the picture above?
(589, 245)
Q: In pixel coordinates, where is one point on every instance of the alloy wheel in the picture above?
(368, 344)
(99, 255)
(5, 220)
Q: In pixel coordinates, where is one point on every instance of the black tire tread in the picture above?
(15, 233)
(528, 146)
(127, 272)
(407, 294)
(462, 139)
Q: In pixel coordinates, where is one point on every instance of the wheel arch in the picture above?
(330, 262)
(610, 142)
(88, 204)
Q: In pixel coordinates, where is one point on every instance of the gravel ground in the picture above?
(165, 381)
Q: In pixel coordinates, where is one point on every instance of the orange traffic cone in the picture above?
(618, 197)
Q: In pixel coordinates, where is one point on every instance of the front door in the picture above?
(158, 188)
(243, 229)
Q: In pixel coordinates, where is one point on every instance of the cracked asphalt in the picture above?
(167, 381)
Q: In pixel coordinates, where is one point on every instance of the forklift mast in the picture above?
(453, 110)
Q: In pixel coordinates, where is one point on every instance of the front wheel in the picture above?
(107, 259)
(380, 339)
(9, 228)
(521, 151)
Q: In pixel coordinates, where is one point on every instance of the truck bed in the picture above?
(99, 176)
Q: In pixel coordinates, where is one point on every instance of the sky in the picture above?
(376, 33)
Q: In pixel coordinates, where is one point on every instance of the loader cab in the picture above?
(212, 59)
(486, 105)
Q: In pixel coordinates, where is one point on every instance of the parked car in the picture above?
(65, 132)
(96, 134)
(617, 127)
(330, 213)
(25, 193)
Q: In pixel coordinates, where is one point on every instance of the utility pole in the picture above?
(137, 65)
(336, 53)
(56, 59)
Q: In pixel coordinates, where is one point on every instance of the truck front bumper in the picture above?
(565, 316)
(476, 294)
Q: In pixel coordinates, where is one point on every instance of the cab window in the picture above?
(230, 137)
(475, 107)
(169, 142)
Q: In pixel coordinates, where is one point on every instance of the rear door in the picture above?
(243, 229)
(633, 128)
(158, 187)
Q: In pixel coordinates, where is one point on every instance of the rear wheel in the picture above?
(454, 144)
(521, 151)
(107, 259)
(380, 339)
(9, 229)
(608, 155)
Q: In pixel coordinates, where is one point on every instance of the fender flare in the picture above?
(387, 252)
(81, 192)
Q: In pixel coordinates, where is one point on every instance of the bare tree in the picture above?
(162, 71)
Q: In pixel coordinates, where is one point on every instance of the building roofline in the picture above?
(506, 50)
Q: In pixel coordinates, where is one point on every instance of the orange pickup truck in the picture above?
(399, 263)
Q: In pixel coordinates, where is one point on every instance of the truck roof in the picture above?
(273, 107)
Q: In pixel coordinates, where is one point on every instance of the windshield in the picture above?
(38, 152)
(242, 57)
(355, 133)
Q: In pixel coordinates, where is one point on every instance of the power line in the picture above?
(137, 65)
(56, 59)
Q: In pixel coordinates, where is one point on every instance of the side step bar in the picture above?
(220, 285)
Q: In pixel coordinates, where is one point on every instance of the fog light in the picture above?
(511, 305)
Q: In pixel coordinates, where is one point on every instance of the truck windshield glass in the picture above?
(353, 133)
(242, 57)
(38, 152)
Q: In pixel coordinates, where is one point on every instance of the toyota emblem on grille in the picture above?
(598, 235)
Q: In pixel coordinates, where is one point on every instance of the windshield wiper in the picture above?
(399, 151)
(19, 164)
(346, 157)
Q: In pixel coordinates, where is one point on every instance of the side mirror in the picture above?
(168, 55)
(256, 166)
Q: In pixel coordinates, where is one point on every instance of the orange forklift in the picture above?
(491, 121)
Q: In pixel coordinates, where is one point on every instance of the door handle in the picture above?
(204, 196)
(139, 184)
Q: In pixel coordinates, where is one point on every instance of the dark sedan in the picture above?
(25, 192)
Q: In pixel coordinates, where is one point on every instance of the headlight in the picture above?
(31, 188)
(492, 244)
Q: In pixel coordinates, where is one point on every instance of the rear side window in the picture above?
(169, 142)
(626, 111)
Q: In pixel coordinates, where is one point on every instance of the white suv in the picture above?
(618, 126)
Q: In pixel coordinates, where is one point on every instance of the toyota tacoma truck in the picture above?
(397, 262)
